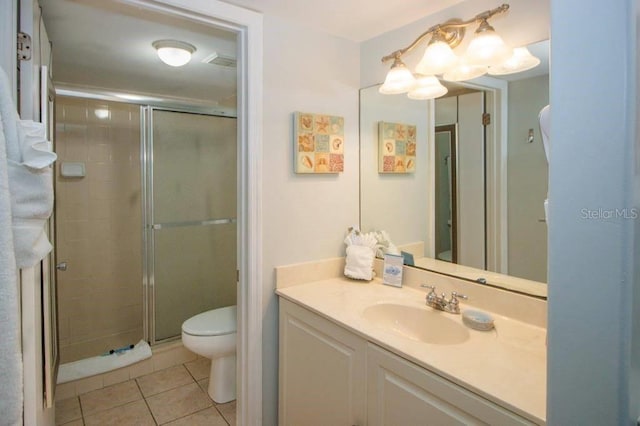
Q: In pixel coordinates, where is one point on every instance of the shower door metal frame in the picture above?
(148, 223)
(146, 174)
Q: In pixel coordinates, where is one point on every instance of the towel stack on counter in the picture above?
(361, 250)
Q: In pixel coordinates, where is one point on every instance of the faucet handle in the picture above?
(454, 303)
(455, 295)
(431, 296)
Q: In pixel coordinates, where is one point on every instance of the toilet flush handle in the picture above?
(62, 266)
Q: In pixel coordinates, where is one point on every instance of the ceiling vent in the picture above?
(222, 60)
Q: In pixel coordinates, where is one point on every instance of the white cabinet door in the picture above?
(402, 393)
(322, 371)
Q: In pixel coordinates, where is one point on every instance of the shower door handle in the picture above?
(62, 266)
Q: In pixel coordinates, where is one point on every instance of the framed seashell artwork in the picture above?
(318, 143)
(396, 147)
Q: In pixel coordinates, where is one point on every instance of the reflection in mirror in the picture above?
(446, 239)
(473, 207)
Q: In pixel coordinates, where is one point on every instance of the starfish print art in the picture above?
(321, 125)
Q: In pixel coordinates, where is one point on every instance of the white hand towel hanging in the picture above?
(29, 158)
(10, 330)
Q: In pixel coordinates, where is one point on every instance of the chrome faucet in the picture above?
(441, 303)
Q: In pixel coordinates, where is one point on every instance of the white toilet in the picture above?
(212, 334)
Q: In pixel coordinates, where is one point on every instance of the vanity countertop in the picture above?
(506, 365)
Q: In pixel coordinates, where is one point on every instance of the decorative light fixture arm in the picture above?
(398, 53)
(452, 31)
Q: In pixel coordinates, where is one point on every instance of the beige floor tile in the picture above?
(176, 403)
(68, 410)
(134, 413)
(204, 385)
(89, 384)
(78, 422)
(228, 410)
(163, 380)
(141, 368)
(109, 397)
(199, 368)
(208, 417)
(65, 391)
(117, 376)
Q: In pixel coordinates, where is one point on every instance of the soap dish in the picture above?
(477, 320)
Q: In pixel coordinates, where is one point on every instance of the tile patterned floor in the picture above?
(176, 396)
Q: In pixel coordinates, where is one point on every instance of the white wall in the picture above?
(396, 203)
(305, 216)
(593, 269)
(527, 180)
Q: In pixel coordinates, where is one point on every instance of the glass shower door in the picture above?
(191, 217)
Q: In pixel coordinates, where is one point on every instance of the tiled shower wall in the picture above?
(98, 223)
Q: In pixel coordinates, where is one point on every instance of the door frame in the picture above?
(452, 129)
(496, 96)
(248, 26)
(8, 42)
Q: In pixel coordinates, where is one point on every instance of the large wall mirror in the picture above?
(473, 205)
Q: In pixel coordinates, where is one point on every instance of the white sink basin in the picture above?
(426, 325)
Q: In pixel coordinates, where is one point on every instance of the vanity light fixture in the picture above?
(486, 52)
(399, 79)
(427, 87)
(173, 52)
(486, 47)
(521, 60)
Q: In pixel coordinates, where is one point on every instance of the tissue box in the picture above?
(392, 270)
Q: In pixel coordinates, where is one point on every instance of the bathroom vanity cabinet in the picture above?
(332, 376)
(322, 371)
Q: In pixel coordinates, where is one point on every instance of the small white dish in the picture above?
(477, 320)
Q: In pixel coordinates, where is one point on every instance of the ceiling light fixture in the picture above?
(173, 52)
(486, 52)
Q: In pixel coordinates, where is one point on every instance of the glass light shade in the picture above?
(427, 87)
(438, 58)
(464, 71)
(399, 80)
(487, 48)
(173, 52)
(521, 60)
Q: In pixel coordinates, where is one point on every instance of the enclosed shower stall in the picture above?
(146, 221)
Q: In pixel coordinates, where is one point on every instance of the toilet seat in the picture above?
(216, 322)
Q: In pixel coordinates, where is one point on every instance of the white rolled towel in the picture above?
(359, 263)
